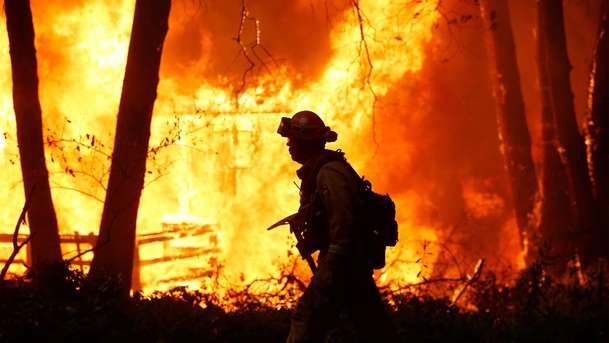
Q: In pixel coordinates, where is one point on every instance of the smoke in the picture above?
(437, 132)
(293, 35)
(445, 115)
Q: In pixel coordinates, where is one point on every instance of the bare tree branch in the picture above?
(387, 291)
(368, 77)
(90, 195)
(91, 146)
(17, 246)
(95, 247)
(99, 181)
(248, 51)
(475, 276)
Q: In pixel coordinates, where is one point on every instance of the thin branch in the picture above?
(249, 50)
(156, 178)
(92, 146)
(16, 246)
(470, 280)
(90, 195)
(98, 180)
(79, 255)
(87, 146)
(444, 244)
(368, 77)
(95, 247)
(452, 256)
(421, 283)
(244, 17)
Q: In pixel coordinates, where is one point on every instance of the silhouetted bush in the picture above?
(536, 308)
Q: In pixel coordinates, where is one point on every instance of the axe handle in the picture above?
(311, 263)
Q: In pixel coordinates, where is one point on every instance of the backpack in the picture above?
(377, 214)
(380, 229)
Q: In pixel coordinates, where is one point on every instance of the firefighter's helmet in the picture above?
(306, 125)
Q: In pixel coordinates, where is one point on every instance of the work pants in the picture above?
(341, 288)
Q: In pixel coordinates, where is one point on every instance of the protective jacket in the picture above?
(329, 202)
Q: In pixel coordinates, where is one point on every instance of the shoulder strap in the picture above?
(363, 182)
(309, 183)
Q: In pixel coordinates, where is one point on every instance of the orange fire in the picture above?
(215, 160)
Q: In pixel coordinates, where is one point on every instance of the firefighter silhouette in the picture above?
(342, 289)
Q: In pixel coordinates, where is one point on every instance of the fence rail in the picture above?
(169, 233)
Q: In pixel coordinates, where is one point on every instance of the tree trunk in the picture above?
(42, 221)
(597, 130)
(116, 242)
(555, 223)
(570, 143)
(511, 119)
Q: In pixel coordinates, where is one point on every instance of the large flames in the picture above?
(216, 166)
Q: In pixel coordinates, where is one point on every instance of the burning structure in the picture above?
(405, 83)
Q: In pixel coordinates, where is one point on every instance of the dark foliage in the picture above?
(536, 308)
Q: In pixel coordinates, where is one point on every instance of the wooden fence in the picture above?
(203, 236)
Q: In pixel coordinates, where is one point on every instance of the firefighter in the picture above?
(342, 287)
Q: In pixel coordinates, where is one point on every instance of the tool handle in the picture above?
(311, 263)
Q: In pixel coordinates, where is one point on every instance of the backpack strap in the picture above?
(309, 182)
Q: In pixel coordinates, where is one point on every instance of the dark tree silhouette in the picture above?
(42, 221)
(511, 118)
(570, 142)
(597, 131)
(114, 255)
(555, 225)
